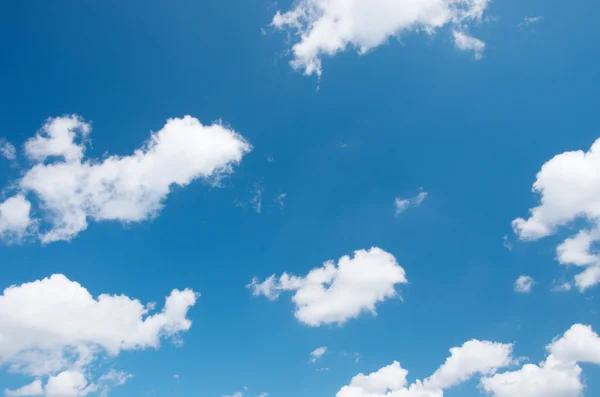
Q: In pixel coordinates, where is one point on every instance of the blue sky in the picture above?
(311, 173)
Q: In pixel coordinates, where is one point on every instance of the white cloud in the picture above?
(468, 43)
(326, 27)
(402, 204)
(54, 327)
(68, 384)
(569, 189)
(72, 190)
(15, 221)
(317, 353)
(524, 284)
(557, 376)
(335, 294)
(236, 394)
(530, 20)
(474, 357)
(32, 389)
(279, 201)
(7, 150)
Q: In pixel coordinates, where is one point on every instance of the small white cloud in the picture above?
(506, 243)
(317, 353)
(236, 394)
(563, 287)
(279, 201)
(524, 284)
(530, 20)
(30, 390)
(15, 220)
(402, 204)
(334, 294)
(7, 150)
(176, 377)
(465, 42)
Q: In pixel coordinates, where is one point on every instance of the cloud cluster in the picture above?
(569, 190)
(55, 328)
(473, 357)
(334, 294)
(557, 376)
(72, 190)
(326, 27)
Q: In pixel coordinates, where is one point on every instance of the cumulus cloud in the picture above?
(559, 375)
(473, 357)
(326, 27)
(7, 150)
(317, 353)
(402, 204)
(72, 190)
(55, 328)
(469, 43)
(32, 389)
(15, 221)
(524, 284)
(569, 189)
(334, 294)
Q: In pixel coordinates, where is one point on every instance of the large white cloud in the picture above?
(474, 357)
(71, 189)
(569, 189)
(558, 375)
(325, 27)
(335, 294)
(54, 327)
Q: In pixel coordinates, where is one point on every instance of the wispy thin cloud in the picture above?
(402, 204)
(529, 21)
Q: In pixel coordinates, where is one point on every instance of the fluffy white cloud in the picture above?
(325, 27)
(72, 189)
(474, 357)
(335, 294)
(54, 327)
(68, 384)
(7, 150)
(32, 389)
(317, 353)
(524, 284)
(468, 43)
(402, 204)
(15, 221)
(569, 189)
(557, 376)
